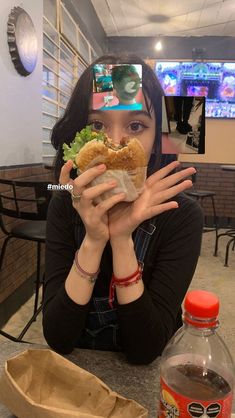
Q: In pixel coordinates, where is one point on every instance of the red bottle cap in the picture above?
(201, 308)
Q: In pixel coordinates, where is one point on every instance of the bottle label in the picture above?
(174, 405)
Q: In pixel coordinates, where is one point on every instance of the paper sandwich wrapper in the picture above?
(42, 384)
(130, 182)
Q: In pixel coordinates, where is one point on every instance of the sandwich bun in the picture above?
(125, 162)
(126, 157)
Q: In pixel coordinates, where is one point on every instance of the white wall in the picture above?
(20, 97)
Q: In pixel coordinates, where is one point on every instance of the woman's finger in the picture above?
(87, 176)
(65, 173)
(163, 172)
(107, 204)
(95, 191)
(163, 207)
(171, 180)
(171, 192)
(84, 178)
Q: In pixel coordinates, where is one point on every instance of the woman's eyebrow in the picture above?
(95, 112)
(129, 113)
(139, 113)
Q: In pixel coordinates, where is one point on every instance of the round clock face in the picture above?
(22, 41)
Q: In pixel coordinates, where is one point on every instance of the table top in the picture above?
(140, 383)
(228, 167)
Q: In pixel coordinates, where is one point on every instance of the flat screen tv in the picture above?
(214, 80)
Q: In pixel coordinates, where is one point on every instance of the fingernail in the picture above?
(101, 167)
(112, 183)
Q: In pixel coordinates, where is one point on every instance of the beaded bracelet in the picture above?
(91, 277)
(124, 282)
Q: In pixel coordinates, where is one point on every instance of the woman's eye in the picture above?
(97, 125)
(136, 127)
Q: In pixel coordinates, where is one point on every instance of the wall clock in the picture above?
(22, 41)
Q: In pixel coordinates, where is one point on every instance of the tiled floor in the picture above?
(210, 275)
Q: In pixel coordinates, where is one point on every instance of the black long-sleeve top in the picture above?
(147, 323)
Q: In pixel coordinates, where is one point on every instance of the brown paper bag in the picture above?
(42, 384)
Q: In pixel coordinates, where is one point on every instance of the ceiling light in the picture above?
(158, 46)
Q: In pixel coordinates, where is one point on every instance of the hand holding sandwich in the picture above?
(108, 173)
(125, 217)
(94, 217)
(126, 161)
(126, 164)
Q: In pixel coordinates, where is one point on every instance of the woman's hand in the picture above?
(125, 217)
(94, 217)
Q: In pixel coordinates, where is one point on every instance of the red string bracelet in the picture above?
(124, 282)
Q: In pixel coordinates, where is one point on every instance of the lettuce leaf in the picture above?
(81, 138)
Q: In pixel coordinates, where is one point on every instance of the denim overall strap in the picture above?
(102, 328)
(142, 239)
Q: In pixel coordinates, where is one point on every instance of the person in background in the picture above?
(153, 242)
(104, 81)
(126, 84)
(183, 106)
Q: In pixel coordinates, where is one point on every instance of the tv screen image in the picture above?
(227, 89)
(197, 91)
(213, 80)
(169, 84)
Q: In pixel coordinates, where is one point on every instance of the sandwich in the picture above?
(126, 161)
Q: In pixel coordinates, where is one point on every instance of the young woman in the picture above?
(160, 233)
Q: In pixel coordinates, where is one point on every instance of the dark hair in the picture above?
(76, 114)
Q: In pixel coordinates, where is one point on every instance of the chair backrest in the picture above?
(27, 200)
(194, 178)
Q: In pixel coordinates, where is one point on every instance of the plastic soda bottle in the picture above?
(196, 368)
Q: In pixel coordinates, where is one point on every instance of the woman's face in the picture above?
(122, 123)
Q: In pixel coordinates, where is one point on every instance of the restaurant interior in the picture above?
(66, 36)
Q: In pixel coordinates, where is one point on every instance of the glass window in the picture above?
(50, 46)
(49, 107)
(83, 47)
(80, 68)
(48, 149)
(66, 61)
(49, 10)
(93, 55)
(48, 121)
(49, 77)
(64, 99)
(62, 66)
(61, 111)
(66, 50)
(69, 28)
(50, 31)
(67, 88)
(50, 62)
(66, 75)
(46, 134)
(49, 91)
